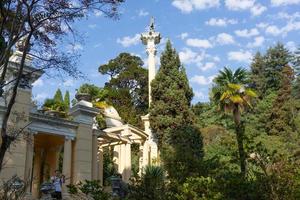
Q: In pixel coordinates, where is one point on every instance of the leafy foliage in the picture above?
(86, 189)
(231, 94)
(199, 188)
(182, 153)
(279, 121)
(171, 96)
(128, 86)
(151, 185)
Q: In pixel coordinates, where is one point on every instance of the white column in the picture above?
(36, 173)
(29, 160)
(94, 157)
(145, 154)
(100, 165)
(150, 39)
(151, 50)
(116, 157)
(141, 159)
(67, 160)
(122, 160)
(128, 162)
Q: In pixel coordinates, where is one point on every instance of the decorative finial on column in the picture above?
(151, 39)
(151, 27)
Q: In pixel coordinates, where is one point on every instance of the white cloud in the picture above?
(291, 46)
(184, 35)
(187, 6)
(258, 9)
(207, 66)
(247, 33)
(289, 16)
(220, 22)
(258, 41)
(92, 26)
(239, 4)
(98, 13)
(273, 30)
(69, 83)
(284, 2)
(202, 80)
(262, 25)
(291, 26)
(74, 47)
(240, 56)
(38, 83)
(128, 41)
(41, 97)
(143, 13)
(193, 42)
(216, 59)
(200, 95)
(224, 38)
(188, 56)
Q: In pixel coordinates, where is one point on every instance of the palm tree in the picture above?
(231, 94)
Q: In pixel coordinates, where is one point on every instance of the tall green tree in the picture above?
(172, 119)
(67, 100)
(128, 86)
(58, 96)
(230, 92)
(257, 73)
(280, 118)
(275, 59)
(171, 96)
(266, 68)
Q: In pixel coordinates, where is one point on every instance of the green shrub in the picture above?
(199, 188)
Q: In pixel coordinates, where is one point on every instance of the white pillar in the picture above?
(29, 161)
(141, 159)
(145, 154)
(150, 39)
(67, 160)
(122, 160)
(127, 162)
(36, 173)
(100, 165)
(116, 157)
(94, 157)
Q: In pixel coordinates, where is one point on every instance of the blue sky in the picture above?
(208, 35)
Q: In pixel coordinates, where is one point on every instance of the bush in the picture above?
(182, 154)
(151, 186)
(199, 188)
(87, 190)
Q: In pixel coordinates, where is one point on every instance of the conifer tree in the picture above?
(171, 96)
(279, 122)
(275, 59)
(58, 96)
(257, 73)
(67, 100)
(172, 119)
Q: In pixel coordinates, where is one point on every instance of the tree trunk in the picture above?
(3, 148)
(239, 131)
(6, 139)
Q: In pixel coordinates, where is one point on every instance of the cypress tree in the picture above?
(58, 96)
(171, 96)
(280, 118)
(257, 73)
(172, 119)
(275, 59)
(67, 100)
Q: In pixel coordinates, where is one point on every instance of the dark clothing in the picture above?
(56, 195)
